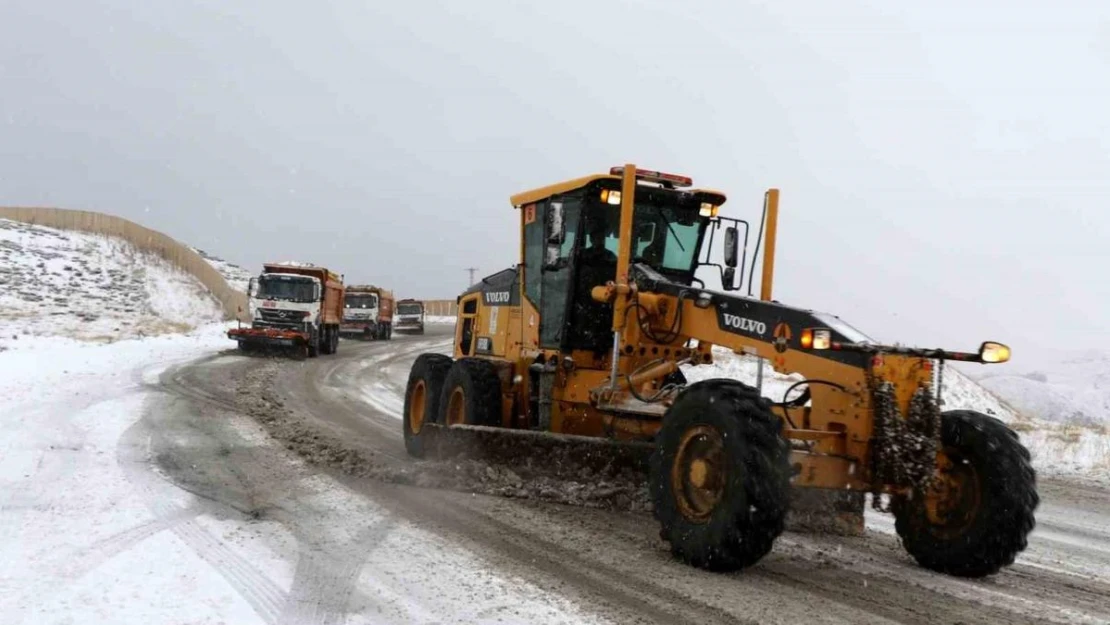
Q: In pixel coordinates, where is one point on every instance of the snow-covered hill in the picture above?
(236, 276)
(91, 287)
(1073, 390)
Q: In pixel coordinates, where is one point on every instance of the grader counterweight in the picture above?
(582, 342)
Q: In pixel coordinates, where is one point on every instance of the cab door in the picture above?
(550, 230)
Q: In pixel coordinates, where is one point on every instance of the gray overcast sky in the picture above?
(944, 166)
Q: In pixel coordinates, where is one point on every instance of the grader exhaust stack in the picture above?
(576, 355)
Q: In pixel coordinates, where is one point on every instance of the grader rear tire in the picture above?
(720, 476)
(471, 394)
(422, 398)
(979, 514)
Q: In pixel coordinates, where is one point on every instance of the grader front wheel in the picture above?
(471, 394)
(978, 514)
(720, 476)
(422, 398)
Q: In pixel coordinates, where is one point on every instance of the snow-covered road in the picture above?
(96, 531)
(141, 482)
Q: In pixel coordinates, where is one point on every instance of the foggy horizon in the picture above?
(942, 167)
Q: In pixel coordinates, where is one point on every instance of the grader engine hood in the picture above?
(821, 334)
(765, 322)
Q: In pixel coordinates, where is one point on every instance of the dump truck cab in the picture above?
(293, 305)
(367, 312)
(409, 316)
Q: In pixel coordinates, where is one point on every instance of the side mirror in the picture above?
(250, 286)
(728, 279)
(556, 226)
(316, 292)
(732, 247)
(556, 231)
(551, 257)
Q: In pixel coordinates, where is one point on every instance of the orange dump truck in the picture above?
(368, 312)
(294, 305)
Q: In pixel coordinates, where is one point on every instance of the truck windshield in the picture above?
(289, 288)
(409, 309)
(362, 301)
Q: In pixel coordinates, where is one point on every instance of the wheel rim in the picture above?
(456, 407)
(416, 406)
(698, 472)
(953, 500)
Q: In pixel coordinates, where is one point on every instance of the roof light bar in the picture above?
(657, 176)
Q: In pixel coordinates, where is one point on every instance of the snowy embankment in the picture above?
(1066, 410)
(237, 277)
(1066, 448)
(91, 287)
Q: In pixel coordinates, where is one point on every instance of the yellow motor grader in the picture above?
(583, 341)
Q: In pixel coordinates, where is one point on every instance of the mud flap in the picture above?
(826, 511)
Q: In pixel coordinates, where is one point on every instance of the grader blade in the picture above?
(566, 458)
(558, 455)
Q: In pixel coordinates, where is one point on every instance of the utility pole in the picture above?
(471, 270)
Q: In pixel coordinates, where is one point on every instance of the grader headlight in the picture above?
(611, 197)
(991, 352)
(822, 339)
(816, 338)
(708, 210)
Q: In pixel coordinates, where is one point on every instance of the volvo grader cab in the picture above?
(584, 339)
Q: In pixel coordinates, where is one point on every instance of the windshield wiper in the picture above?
(670, 228)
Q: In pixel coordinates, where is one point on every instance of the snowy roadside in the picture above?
(96, 532)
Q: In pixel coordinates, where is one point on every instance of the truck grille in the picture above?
(281, 318)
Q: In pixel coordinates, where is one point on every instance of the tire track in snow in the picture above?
(135, 456)
(325, 577)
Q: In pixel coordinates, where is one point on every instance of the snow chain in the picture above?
(904, 451)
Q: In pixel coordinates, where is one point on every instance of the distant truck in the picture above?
(410, 316)
(294, 305)
(367, 312)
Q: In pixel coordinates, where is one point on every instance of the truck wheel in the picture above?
(422, 398)
(389, 331)
(334, 339)
(325, 340)
(720, 476)
(471, 394)
(977, 516)
(313, 348)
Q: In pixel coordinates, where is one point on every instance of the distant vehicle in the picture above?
(367, 312)
(410, 316)
(293, 305)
